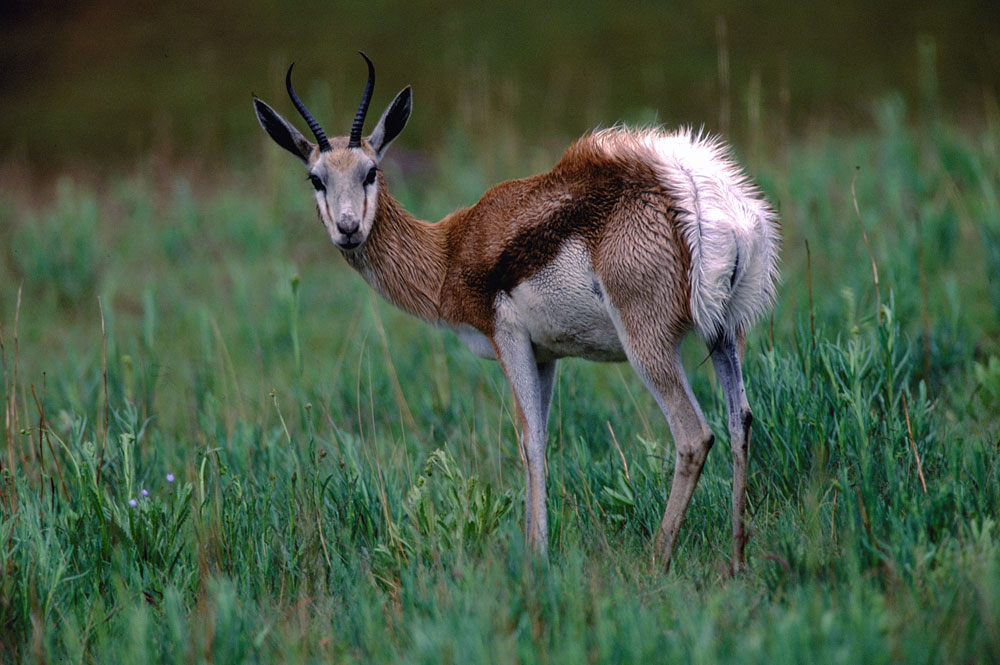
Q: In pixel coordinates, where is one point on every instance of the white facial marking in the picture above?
(346, 204)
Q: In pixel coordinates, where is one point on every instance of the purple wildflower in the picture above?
(170, 477)
(145, 492)
(133, 503)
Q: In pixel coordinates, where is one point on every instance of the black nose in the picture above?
(348, 226)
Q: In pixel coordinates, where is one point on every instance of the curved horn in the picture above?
(359, 117)
(324, 145)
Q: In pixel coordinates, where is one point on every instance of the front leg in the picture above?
(531, 384)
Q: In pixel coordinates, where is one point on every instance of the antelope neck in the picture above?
(403, 259)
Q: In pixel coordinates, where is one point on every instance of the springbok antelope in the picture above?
(635, 238)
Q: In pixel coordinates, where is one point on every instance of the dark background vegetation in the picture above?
(107, 81)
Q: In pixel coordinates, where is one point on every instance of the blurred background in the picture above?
(108, 81)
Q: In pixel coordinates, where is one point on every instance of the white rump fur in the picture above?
(731, 231)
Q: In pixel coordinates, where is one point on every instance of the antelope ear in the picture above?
(392, 122)
(282, 131)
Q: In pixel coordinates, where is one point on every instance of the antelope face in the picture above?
(343, 172)
(346, 184)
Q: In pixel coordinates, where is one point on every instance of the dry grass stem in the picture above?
(43, 437)
(913, 445)
(871, 257)
(614, 440)
(809, 288)
(104, 376)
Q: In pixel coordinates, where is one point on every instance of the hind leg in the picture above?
(642, 268)
(656, 359)
(665, 378)
(726, 356)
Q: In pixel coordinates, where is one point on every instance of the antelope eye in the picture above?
(317, 183)
(370, 178)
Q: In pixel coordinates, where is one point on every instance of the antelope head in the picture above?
(343, 171)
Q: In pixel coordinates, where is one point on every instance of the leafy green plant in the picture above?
(988, 382)
(445, 511)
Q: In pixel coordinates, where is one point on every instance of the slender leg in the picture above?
(651, 339)
(664, 375)
(531, 383)
(726, 357)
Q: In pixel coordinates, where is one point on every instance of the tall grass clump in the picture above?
(851, 435)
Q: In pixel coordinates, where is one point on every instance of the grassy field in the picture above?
(220, 447)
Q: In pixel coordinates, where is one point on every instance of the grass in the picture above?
(280, 468)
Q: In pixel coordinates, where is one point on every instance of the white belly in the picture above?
(563, 307)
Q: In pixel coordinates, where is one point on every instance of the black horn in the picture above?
(324, 144)
(359, 117)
